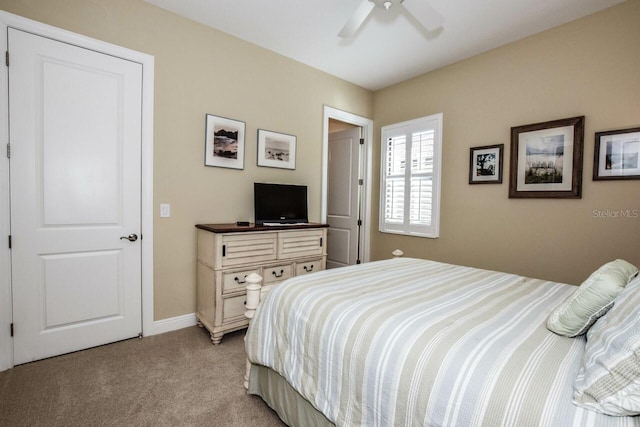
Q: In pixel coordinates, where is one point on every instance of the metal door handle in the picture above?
(130, 237)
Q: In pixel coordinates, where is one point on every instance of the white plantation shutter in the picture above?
(410, 196)
(395, 165)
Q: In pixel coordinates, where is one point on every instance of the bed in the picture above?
(408, 342)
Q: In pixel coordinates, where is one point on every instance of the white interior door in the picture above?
(75, 132)
(343, 198)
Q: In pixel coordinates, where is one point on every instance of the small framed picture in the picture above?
(224, 142)
(616, 155)
(276, 150)
(485, 164)
(546, 159)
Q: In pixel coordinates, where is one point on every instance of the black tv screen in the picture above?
(280, 203)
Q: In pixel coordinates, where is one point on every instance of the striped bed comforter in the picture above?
(407, 342)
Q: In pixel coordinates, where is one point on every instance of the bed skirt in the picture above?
(292, 408)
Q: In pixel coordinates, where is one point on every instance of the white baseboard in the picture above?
(174, 323)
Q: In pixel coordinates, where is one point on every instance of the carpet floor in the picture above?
(173, 379)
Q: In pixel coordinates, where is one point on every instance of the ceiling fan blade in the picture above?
(427, 16)
(356, 20)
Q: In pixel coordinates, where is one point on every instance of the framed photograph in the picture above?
(546, 159)
(485, 164)
(224, 142)
(616, 155)
(276, 150)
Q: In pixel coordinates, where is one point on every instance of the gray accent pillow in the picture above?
(593, 298)
(609, 379)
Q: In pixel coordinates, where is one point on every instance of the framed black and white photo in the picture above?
(616, 155)
(224, 142)
(485, 164)
(546, 159)
(276, 150)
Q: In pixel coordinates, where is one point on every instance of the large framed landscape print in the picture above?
(546, 159)
(224, 142)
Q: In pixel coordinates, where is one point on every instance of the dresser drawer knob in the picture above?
(240, 281)
(278, 275)
(308, 269)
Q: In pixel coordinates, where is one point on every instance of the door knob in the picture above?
(130, 237)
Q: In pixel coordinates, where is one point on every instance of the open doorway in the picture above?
(346, 186)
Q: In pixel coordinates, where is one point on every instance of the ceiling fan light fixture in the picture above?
(421, 10)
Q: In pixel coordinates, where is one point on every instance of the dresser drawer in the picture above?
(296, 244)
(307, 267)
(233, 281)
(248, 248)
(233, 309)
(277, 273)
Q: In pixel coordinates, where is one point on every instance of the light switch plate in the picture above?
(165, 210)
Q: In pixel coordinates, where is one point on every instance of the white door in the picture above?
(343, 198)
(75, 132)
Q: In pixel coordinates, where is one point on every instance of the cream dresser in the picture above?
(228, 253)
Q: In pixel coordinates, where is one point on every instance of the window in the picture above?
(410, 195)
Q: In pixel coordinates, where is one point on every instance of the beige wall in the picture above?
(199, 70)
(588, 67)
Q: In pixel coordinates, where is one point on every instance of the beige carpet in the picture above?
(174, 379)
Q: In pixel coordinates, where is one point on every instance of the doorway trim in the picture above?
(147, 62)
(367, 134)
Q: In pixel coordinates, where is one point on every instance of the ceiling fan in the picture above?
(427, 16)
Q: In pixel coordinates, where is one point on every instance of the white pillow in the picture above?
(592, 299)
(609, 379)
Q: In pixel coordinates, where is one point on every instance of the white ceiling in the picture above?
(390, 46)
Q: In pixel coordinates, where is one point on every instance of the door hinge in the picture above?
(9, 241)
(224, 250)
(8, 150)
(361, 141)
(11, 328)
(6, 57)
(361, 181)
(358, 261)
(359, 223)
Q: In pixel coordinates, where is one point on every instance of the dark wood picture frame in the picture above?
(617, 155)
(546, 159)
(485, 164)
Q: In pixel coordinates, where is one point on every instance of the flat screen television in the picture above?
(280, 203)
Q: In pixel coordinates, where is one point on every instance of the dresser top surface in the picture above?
(234, 228)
